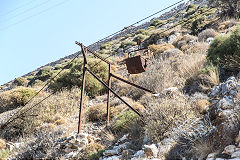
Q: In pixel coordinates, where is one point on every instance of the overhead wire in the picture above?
(34, 15)
(139, 21)
(27, 10)
(21, 6)
(12, 118)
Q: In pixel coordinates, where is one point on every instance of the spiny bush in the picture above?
(73, 77)
(204, 35)
(166, 113)
(97, 112)
(14, 98)
(225, 47)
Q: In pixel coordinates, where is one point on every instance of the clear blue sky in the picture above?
(36, 32)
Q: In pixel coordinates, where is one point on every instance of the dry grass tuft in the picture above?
(160, 48)
(60, 121)
(170, 72)
(2, 144)
(202, 105)
(202, 148)
(97, 112)
(163, 114)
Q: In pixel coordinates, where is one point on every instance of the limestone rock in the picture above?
(174, 52)
(211, 156)
(123, 139)
(112, 158)
(209, 40)
(10, 146)
(172, 38)
(127, 154)
(151, 150)
(229, 149)
(236, 154)
(110, 152)
(138, 154)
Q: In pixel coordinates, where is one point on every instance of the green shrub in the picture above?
(139, 37)
(150, 28)
(141, 31)
(225, 47)
(73, 77)
(125, 121)
(44, 73)
(20, 81)
(127, 43)
(96, 156)
(106, 45)
(16, 97)
(197, 25)
(191, 9)
(158, 22)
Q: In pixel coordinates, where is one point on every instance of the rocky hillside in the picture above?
(194, 113)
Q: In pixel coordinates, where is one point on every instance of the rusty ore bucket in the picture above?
(136, 64)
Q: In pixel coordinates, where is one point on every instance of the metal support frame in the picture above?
(109, 92)
(108, 86)
(82, 89)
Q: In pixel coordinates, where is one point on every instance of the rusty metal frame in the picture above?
(108, 86)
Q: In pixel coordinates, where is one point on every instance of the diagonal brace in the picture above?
(137, 86)
(113, 92)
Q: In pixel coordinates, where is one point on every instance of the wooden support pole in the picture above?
(109, 92)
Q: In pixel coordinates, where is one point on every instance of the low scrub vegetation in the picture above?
(204, 35)
(158, 22)
(55, 110)
(20, 81)
(160, 48)
(14, 98)
(73, 76)
(125, 121)
(166, 113)
(224, 50)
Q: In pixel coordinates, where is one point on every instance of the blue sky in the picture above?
(36, 32)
